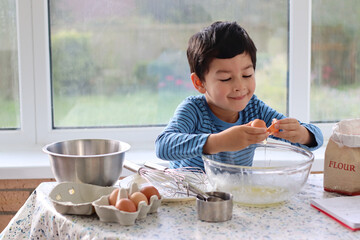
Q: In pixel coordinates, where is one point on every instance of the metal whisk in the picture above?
(192, 175)
(171, 182)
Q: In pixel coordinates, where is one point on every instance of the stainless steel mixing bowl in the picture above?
(93, 161)
(278, 171)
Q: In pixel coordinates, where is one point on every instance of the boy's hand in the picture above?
(234, 138)
(292, 131)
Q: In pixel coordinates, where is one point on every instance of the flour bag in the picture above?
(342, 159)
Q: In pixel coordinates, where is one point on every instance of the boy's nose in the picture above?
(239, 86)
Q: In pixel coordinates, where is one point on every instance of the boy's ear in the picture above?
(198, 84)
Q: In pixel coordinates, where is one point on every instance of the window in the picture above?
(123, 63)
(335, 60)
(118, 69)
(9, 81)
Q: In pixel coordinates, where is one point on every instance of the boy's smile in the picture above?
(229, 86)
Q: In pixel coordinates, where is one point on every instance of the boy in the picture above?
(222, 59)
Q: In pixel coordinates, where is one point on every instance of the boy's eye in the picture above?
(247, 76)
(225, 80)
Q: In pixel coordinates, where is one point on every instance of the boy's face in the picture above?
(229, 86)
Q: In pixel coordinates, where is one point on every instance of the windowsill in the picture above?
(31, 162)
(28, 163)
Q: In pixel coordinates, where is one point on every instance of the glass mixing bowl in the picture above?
(278, 171)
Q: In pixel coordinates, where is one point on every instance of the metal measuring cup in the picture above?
(215, 211)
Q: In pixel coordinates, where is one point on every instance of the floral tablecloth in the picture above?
(294, 219)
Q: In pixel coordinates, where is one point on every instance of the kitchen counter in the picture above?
(294, 219)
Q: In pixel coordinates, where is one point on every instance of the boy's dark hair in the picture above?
(219, 40)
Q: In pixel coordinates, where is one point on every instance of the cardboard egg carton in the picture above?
(77, 198)
(86, 199)
(109, 213)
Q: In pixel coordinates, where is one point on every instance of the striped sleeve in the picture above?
(179, 146)
(181, 138)
(319, 138)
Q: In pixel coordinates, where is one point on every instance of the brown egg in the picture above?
(113, 197)
(148, 191)
(272, 128)
(126, 205)
(258, 123)
(137, 197)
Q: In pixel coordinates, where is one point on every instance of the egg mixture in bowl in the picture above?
(273, 174)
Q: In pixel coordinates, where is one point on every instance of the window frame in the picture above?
(35, 87)
(300, 64)
(26, 133)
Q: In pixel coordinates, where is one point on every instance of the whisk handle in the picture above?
(132, 166)
(153, 165)
(192, 188)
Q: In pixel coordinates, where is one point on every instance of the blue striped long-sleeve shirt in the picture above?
(183, 139)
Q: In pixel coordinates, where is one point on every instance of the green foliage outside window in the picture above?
(73, 68)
